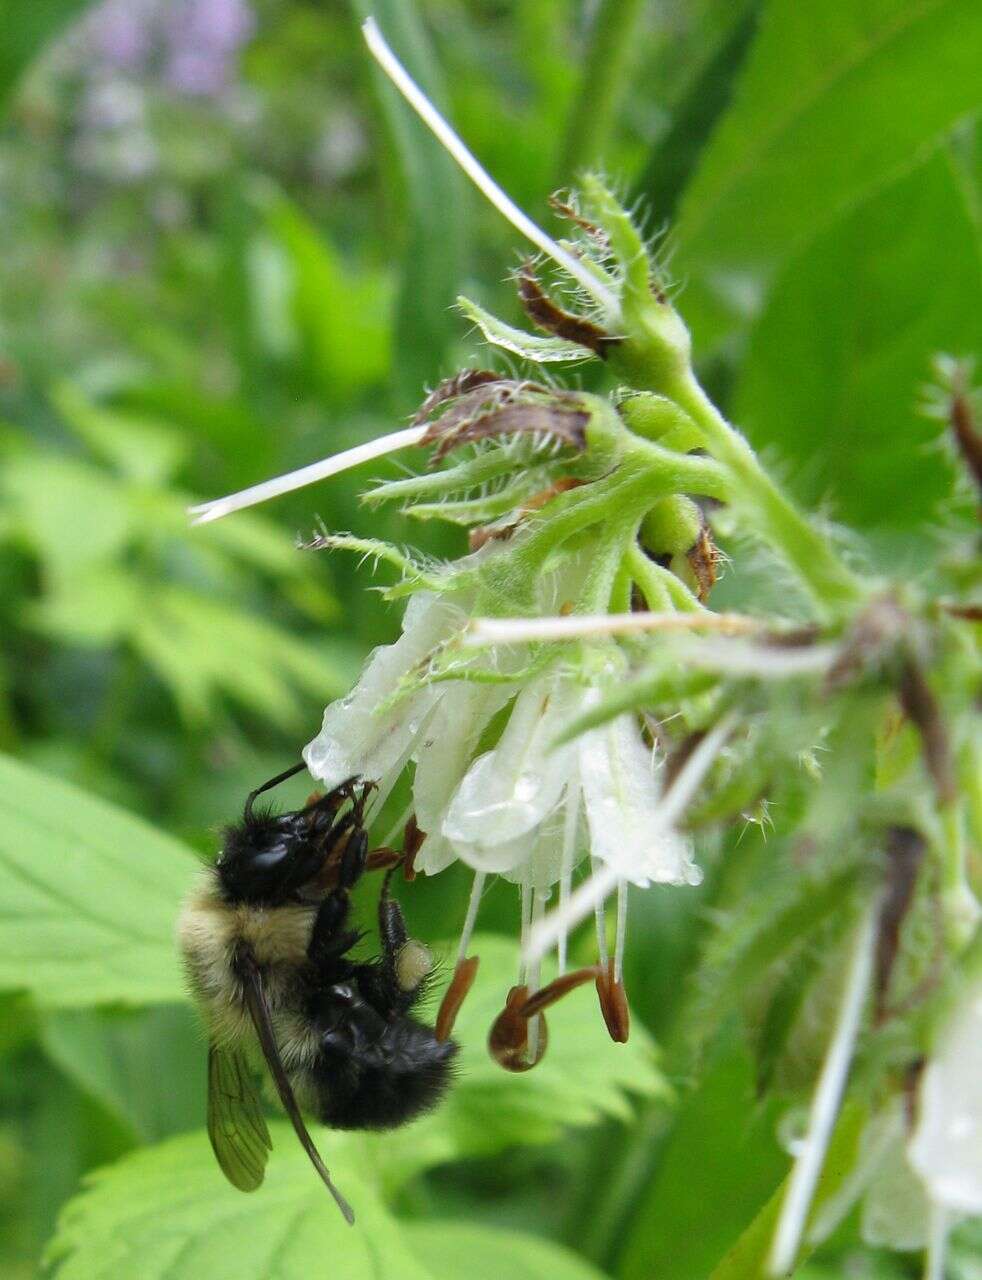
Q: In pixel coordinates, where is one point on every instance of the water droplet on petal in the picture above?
(526, 787)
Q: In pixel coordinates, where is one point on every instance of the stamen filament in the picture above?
(428, 113)
(826, 1101)
(620, 940)
(205, 512)
(604, 880)
(471, 918)
(570, 820)
(937, 1243)
(600, 920)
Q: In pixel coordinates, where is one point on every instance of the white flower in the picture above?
(946, 1147)
(359, 739)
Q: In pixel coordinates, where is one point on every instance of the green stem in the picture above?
(833, 588)
(659, 586)
(610, 54)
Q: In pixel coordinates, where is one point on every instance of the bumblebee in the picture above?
(266, 943)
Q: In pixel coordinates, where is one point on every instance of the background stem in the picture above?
(611, 48)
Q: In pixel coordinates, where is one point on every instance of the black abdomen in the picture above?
(380, 1076)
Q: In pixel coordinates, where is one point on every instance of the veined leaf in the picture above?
(167, 1212)
(530, 346)
(838, 357)
(830, 104)
(89, 896)
(137, 1063)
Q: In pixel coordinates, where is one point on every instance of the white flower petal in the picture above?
(621, 793)
(444, 751)
(510, 790)
(544, 866)
(946, 1148)
(436, 854)
(499, 858)
(357, 739)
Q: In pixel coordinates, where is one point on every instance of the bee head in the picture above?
(267, 858)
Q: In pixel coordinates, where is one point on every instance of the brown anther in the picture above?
(921, 706)
(613, 1005)
(454, 996)
(412, 842)
(313, 798)
(556, 989)
(508, 1039)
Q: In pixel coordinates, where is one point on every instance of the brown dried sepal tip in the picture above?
(503, 529)
(613, 1004)
(454, 996)
(566, 209)
(703, 560)
(905, 849)
(486, 405)
(967, 435)
(553, 319)
(508, 1039)
(453, 388)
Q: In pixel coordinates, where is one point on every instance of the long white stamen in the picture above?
(218, 507)
(826, 1101)
(621, 938)
(471, 918)
(582, 901)
(600, 919)
(483, 631)
(526, 892)
(570, 820)
(428, 113)
(937, 1242)
(534, 979)
(603, 881)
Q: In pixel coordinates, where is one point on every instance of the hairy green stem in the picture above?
(832, 586)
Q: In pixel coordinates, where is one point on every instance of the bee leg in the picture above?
(406, 963)
(329, 938)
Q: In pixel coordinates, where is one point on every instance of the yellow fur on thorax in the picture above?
(210, 929)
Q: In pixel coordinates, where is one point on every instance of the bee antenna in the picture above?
(268, 786)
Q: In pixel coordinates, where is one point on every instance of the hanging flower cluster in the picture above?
(521, 699)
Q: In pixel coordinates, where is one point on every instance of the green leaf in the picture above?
(342, 314)
(140, 447)
(839, 356)
(529, 346)
(719, 1165)
(438, 207)
(747, 1258)
(167, 1212)
(27, 25)
(492, 1253)
(829, 106)
(130, 1062)
(90, 895)
(675, 155)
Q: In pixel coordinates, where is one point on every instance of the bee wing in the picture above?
(255, 997)
(238, 1133)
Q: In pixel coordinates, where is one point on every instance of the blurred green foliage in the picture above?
(204, 286)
